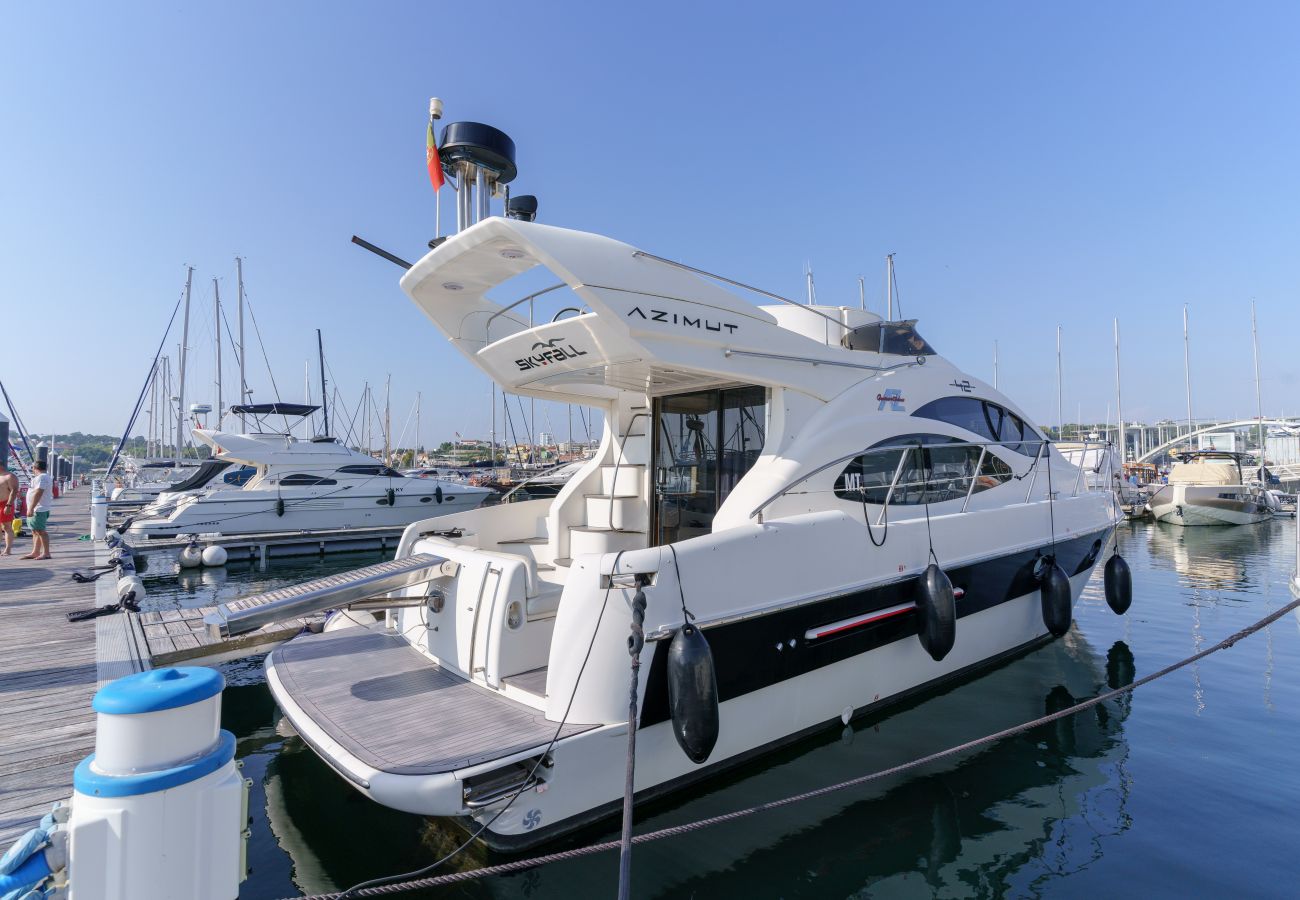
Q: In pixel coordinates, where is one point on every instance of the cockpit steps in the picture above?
(602, 539)
(622, 480)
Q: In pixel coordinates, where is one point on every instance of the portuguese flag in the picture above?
(434, 163)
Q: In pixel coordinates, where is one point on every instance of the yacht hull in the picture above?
(1180, 504)
(255, 512)
(762, 707)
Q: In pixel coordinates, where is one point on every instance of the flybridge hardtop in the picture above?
(646, 323)
(274, 448)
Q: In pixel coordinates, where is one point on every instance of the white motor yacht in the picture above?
(812, 510)
(1206, 487)
(145, 479)
(269, 481)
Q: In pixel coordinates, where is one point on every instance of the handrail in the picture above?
(741, 284)
(619, 455)
(487, 329)
(812, 360)
(1042, 443)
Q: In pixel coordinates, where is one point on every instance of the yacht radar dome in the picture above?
(481, 158)
(479, 145)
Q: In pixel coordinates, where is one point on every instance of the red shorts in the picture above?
(6, 515)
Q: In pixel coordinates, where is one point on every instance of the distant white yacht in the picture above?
(144, 479)
(1206, 487)
(294, 485)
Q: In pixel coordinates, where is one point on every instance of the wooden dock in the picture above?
(47, 669)
(50, 668)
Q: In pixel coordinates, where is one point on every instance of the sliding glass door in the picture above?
(704, 444)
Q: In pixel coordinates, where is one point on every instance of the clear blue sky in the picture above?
(1030, 163)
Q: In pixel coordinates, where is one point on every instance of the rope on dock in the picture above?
(699, 824)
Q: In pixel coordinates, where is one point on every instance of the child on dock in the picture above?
(38, 510)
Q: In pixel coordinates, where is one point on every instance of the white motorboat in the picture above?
(818, 513)
(145, 479)
(1206, 487)
(294, 485)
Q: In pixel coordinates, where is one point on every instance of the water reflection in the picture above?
(171, 587)
(1212, 558)
(990, 821)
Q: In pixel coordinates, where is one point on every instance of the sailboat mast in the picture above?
(180, 390)
(216, 335)
(416, 452)
(995, 365)
(1060, 393)
(1259, 406)
(1187, 377)
(243, 381)
(1119, 409)
(324, 403)
(306, 396)
(388, 421)
(862, 292)
(153, 405)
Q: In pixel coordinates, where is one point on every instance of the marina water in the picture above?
(1183, 787)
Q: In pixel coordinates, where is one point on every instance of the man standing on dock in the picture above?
(8, 504)
(38, 510)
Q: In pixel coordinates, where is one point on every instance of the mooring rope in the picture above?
(520, 865)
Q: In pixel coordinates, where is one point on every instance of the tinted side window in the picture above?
(361, 470)
(964, 412)
(305, 480)
(985, 418)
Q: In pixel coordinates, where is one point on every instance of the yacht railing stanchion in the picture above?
(979, 467)
(889, 495)
(1033, 477)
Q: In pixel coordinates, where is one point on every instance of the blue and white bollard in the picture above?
(159, 810)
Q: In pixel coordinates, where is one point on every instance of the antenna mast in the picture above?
(889, 287)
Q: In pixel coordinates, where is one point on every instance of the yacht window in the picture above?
(305, 480)
(934, 468)
(894, 338)
(382, 471)
(986, 419)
